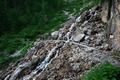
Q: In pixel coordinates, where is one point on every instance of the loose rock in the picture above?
(79, 37)
(55, 34)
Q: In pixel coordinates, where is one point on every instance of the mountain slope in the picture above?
(72, 50)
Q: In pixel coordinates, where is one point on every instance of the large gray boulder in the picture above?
(79, 37)
(55, 34)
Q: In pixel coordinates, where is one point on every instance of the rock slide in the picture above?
(72, 50)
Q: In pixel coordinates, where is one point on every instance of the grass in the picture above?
(11, 42)
(103, 72)
(6, 59)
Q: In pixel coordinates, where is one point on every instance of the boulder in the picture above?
(89, 32)
(79, 37)
(55, 34)
(75, 66)
(85, 30)
(78, 19)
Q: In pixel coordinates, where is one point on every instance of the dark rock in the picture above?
(85, 30)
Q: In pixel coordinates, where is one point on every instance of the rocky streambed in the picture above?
(72, 50)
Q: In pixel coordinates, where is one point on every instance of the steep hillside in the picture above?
(75, 48)
(23, 21)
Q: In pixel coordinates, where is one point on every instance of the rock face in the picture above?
(111, 16)
(80, 45)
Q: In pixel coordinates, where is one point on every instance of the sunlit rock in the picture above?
(79, 37)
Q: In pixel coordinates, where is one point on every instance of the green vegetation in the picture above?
(103, 72)
(6, 59)
(21, 21)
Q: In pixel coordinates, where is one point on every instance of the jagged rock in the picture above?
(85, 30)
(66, 79)
(111, 36)
(89, 32)
(94, 31)
(39, 45)
(55, 34)
(106, 46)
(78, 19)
(17, 53)
(76, 66)
(98, 42)
(34, 57)
(79, 37)
(86, 37)
(84, 23)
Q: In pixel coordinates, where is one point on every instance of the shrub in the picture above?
(103, 72)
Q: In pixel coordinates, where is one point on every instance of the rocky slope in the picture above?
(72, 50)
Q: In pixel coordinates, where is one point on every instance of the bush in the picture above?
(103, 72)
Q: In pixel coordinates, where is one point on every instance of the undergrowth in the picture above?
(103, 72)
(28, 25)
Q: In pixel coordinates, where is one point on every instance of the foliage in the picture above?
(6, 59)
(17, 14)
(21, 21)
(103, 72)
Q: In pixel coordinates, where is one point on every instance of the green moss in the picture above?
(103, 72)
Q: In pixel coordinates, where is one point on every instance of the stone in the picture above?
(98, 42)
(34, 57)
(89, 32)
(55, 33)
(111, 36)
(35, 43)
(87, 37)
(17, 53)
(78, 19)
(88, 50)
(66, 79)
(101, 47)
(85, 30)
(39, 45)
(94, 31)
(75, 66)
(79, 37)
(106, 45)
(84, 23)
